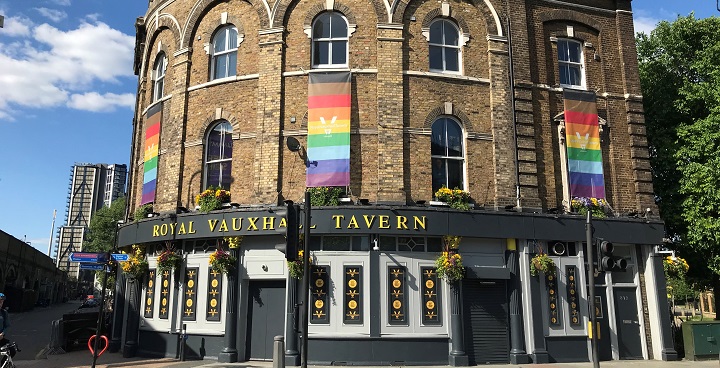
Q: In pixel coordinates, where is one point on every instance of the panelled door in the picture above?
(628, 323)
(266, 317)
(485, 314)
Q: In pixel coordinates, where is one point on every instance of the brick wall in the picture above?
(394, 99)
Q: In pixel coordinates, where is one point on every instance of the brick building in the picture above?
(468, 95)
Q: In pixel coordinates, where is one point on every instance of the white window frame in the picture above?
(456, 158)
(159, 77)
(446, 47)
(331, 40)
(565, 62)
(222, 158)
(228, 50)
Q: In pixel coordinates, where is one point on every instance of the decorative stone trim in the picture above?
(341, 8)
(569, 15)
(456, 113)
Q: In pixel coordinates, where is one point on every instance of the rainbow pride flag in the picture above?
(152, 141)
(328, 138)
(582, 131)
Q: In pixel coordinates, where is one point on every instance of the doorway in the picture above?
(266, 317)
(628, 323)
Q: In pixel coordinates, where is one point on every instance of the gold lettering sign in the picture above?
(269, 223)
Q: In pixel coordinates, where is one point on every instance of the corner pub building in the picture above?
(482, 95)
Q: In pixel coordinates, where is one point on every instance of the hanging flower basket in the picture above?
(212, 198)
(598, 207)
(449, 266)
(541, 263)
(222, 261)
(675, 267)
(452, 241)
(455, 198)
(169, 259)
(136, 266)
(143, 211)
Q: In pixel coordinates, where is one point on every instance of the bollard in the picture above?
(183, 339)
(278, 352)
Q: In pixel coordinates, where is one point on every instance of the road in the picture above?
(32, 330)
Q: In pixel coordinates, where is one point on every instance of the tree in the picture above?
(101, 232)
(680, 78)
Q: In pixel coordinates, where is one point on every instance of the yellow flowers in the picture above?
(136, 266)
(233, 241)
(455, 198)
(449, 266)
(295, 268)
(212, 198)
(598, 207)
(675, 266)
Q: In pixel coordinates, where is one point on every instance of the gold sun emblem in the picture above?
(214, 283)
(352, 304)
(319, 304)
(319, 282)
(429, 284)
(213, 303)
(396, 283)
(352, 283)
(189, 303)
(430, 304)
(397, 304)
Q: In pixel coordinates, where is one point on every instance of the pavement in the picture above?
(78, 359)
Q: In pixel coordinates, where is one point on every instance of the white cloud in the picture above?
(645, 24)
(108, 102)
(16, 26)
(61, 2)
(46, 70)
(52, 14)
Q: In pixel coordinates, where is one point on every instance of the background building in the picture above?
(485, 96)
(91, 187)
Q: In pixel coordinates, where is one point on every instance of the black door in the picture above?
(485, 315)
(628, 324)
(266, 317)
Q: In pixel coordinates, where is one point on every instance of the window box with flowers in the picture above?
(454, 198)
(598, 207)
(325, 196)
(169, 259)
(136, 266)
(212, 199)
(143, 211)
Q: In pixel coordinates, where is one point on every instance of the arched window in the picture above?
(444, 46)
(159, 77)
(448, 154)
(330, 41)
(570, 63)
(218, 156)
(224, 53)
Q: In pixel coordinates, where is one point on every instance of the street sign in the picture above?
(91, 266)
(120, 257)
(88, 257)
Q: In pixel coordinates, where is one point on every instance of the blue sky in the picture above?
(67, 91)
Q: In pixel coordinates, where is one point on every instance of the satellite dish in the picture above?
(293, 144)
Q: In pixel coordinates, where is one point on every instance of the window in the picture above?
(224, 53)
(218, 156)
(570, 62)
(159, 77)
(330, 41)
(448, 161)
(444, 46)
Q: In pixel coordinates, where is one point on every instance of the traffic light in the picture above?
(606, 260)
(291, 215)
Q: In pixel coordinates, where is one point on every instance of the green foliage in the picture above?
(449, 266)
(455, 198)
(142, 211)
(325, 196)
(541, 263)
(680, 78)
(212, 198)
(103, 224)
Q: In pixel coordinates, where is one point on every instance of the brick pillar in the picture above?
(501, 122)
(527, 147)
(642, 175)
(172, 135)
(390, 115)
(268, 142)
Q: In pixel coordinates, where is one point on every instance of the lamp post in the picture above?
(118, 305)
(294, 146)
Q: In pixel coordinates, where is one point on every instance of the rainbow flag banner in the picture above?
(152, 141)
(582, 131)
(328, 138)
